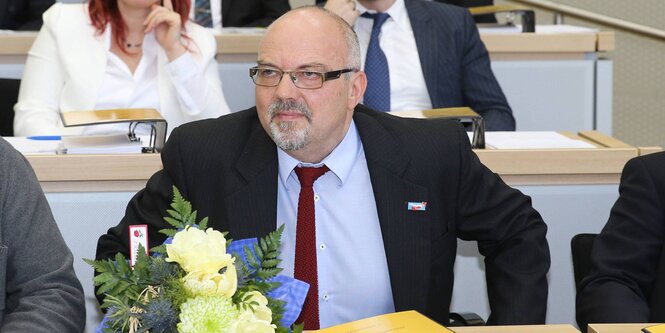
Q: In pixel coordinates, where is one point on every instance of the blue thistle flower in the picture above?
(160, 316)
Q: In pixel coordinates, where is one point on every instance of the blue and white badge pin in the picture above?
(416, 205)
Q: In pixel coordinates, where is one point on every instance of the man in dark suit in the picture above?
(627, 282)
(22, 14)
(452, 59)
(401, 189)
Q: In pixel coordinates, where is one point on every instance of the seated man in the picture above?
(22, 14)
(237, 13)
(627, 283)
(393, 195)
(434, 55)
(39, 290)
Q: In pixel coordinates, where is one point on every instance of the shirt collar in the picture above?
(397, 13)
(340, 161)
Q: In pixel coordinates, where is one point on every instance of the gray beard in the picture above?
(285, 134)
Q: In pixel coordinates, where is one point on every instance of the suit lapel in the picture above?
(405, 233)
(252, 207)
(427, 42)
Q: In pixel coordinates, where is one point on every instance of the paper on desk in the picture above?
(403, 322)
(532, 140)
(654, 329)
(101, 144)
(546, 29)
(32, 147)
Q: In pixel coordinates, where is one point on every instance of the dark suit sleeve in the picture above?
(148, 206)
(480, 88)
(511, 235)
(626, 254)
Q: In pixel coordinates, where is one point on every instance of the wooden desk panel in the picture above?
(603, 165)
(247, 43)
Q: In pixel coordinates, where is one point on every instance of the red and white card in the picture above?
(138, 234)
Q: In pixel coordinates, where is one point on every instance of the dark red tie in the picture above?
(305, 264)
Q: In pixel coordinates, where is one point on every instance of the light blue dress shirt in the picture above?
(352, 268)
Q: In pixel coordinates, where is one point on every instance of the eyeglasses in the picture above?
(304, 79)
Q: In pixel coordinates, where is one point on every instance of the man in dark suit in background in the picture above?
(397, 194)
(238, 13)
(435, 57)
(22, 14)
(627, 282)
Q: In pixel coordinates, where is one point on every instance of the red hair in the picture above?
(103, 12)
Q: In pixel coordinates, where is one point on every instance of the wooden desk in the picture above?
(617, 328)
(104, 173)
(517, 329)
(561, 44)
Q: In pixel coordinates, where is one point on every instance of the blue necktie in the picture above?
(202, 13)
(377, 95)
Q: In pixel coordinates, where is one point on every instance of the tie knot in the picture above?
(308, 175)
(379, 18)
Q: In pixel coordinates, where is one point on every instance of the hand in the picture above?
(167, 26)
(346, 9)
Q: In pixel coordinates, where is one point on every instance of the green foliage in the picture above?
(181, 215)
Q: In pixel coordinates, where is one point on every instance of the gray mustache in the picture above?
(289, 105)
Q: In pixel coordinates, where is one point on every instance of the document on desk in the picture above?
(654, 329)
(27, 146)
(550, 28)
(402, 322)
(100, 144)
(533, 140)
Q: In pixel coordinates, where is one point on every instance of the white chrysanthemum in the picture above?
(207, 314)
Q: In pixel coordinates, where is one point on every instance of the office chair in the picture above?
(580, 246)
(8, 97)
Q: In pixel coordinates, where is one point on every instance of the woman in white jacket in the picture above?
(108, 54)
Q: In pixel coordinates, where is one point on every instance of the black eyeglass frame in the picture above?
(325, 76)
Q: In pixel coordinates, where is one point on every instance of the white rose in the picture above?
(199, 252)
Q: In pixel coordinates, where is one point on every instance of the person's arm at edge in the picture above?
(511, 235)
(36, 112)
(42, 291)
(626, 254)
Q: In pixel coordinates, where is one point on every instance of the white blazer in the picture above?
(67, 62)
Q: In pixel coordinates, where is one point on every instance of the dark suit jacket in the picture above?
(456, 63)
(228, 169)
(22, 14)
(252, 13)
(627, 283)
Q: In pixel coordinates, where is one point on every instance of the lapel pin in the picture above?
(413, 205)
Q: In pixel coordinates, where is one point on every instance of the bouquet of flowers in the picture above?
(198, 281)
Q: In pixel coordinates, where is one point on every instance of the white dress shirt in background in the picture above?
(407, 82)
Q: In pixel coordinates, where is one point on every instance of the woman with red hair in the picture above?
(107, 54)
